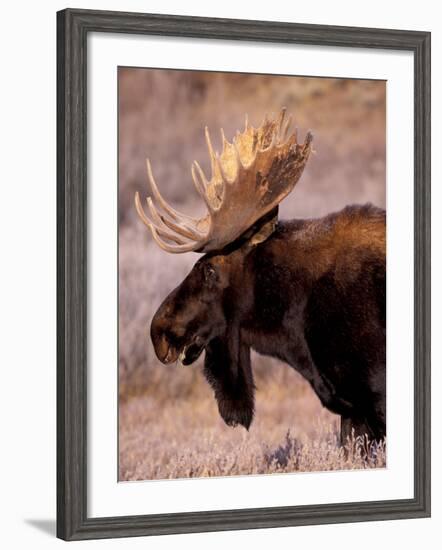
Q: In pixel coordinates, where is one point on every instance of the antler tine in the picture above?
(154, 212)
(211, 150)
(237, 155)
(222, 172)
(283, 131)
(272, 142)
(281, 117)
(151, 225)
(224, 139)
(174, 249)
(160, 220)
(246, 124)
(148, 223)
(201, 183)
(178, 216)
(184, 230)
(307, 141)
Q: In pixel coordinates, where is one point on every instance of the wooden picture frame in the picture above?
(73, 27)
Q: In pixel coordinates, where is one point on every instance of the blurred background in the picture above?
(169, 425)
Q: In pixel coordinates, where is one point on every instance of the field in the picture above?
(184, 436)
(169, 425)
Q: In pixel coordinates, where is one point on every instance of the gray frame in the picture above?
(73, 27)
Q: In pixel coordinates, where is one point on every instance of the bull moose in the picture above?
(309, 292)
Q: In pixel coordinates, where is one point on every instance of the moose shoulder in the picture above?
(309, 292)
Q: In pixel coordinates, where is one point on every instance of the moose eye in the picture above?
(209, 273)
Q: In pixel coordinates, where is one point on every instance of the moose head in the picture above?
(250, 177)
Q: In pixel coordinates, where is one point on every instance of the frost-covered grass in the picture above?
(171, 436)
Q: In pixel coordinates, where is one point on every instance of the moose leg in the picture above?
(227, 369)
(351, 427)
(301, 360)
(369, 419)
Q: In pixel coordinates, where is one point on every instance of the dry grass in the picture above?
(175, 436)
(169, 424)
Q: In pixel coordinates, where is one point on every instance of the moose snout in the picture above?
(163, 349)
(165, 352)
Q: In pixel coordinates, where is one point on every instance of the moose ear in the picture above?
(227, 369)
(261, 230)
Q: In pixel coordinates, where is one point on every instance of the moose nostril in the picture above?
(166, 339)
(162, 347)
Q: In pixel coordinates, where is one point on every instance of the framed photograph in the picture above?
(243, 274)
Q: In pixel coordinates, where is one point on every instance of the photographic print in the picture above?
(221, 274)
(252, 274)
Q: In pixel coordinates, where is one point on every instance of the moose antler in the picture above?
(251, 177)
